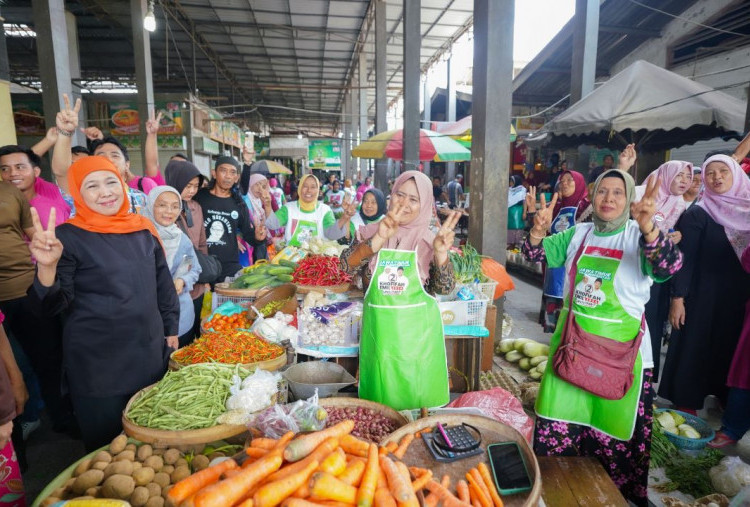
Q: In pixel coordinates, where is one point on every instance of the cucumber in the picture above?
(287, 263)
(284, 277)
(261, 282)
(280, 270)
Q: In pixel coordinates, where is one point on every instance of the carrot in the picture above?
(462, 488)
(304, 445)
(319, 454)
(382, 479)
(480, 484)
(399, 486)
(476, 493)
(445, 496)
(256, 452)
(353, 473)
(432, 499)
(324, 486)
(403, 445)
(423, 431)
(335, 463)
(298, 502)
(273, 493)
(420, 481)
(263, 443)
(366, 492)
(247, 503)
(485, 473)
(188, 486)
(331, 503)
(231, 473)
(229, 491)
(283, 442)
(418, 472)
(383, 498)
(355, 446)
(474, 501)
(404, 473)
(303, 491)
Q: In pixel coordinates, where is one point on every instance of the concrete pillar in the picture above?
(346, 145)
(490, 149)
(381, 89)
(143, 72)
(187, 126)
(363, 162)
(354, 119)
(412, 46)
(427, 114)
(583, 68)
(75, 65)
(450, 112)
(7, 135)
(52, 50)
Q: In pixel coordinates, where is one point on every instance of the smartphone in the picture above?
(508, 468)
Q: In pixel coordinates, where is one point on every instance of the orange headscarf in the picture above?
(122, 222)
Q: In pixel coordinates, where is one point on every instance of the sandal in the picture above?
(721, 440)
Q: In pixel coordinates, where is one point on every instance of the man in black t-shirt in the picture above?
(225, 217)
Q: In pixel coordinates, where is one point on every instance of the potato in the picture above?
(155, 501)
(162, 479)
(59, 493)
(87, 480)
(102, 456)
(118, 467)
(155, 462)
(50, 500)
(140, 496)
(82, 467)
(125, 456)
(159, 451)
(94, 492)
(143, 476)
(99, 465)
(86, 497)
(137, 465)
(182, 462)
(179, 474)
(131, 447)
(118, 444)
(200, 461)
(144, 452)
(153, 489)
(171, 456)
(118, 486)
(168, 469)
(69, 483)
(165, 491)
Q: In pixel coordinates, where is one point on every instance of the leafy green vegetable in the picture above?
(467, 265)
(689, 474)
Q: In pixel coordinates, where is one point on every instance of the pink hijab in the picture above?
(732, 208)
(415, 235)
(256, 204)
(668, 205)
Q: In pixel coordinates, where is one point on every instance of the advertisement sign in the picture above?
(325, 154)
(262, 147)
(28, 116)
(124, 119)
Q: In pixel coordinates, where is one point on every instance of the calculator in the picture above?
(465, 445)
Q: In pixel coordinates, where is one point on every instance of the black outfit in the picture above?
(231, 215)
(595, 173)
(715, 288)
(657, 312)
(119, 303)
(437, 192)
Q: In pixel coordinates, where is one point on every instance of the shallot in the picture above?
(368, 424)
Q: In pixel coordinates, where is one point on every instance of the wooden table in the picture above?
(574, 481)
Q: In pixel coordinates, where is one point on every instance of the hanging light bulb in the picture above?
(299, 136)
(149, 21)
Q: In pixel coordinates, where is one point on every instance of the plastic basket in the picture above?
(701, 426)
(350, 322)
(464, 313)
(219, 299)
(488, 289)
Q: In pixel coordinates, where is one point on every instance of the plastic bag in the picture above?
(275, 329)
(302, 415)
(500, 405)
(730, 475)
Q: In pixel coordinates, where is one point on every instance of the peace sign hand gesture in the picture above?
(643, 210)
(350, 207)
(445, 236)
(67, 119)
(531, 201)
(44, 246)
(543, 217)
(152, 124)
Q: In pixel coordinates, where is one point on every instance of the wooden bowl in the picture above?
(383, 410)
(492, 431)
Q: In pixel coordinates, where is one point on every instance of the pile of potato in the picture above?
(138, 474)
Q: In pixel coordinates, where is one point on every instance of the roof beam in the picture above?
(630, 30)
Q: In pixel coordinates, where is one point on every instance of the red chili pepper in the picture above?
(320, 270)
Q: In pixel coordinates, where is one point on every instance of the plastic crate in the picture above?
(488, 289)
(219, 299)
(463, 313)
(350, 322)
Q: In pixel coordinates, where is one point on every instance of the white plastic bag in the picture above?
(254, 393)
(730, 475)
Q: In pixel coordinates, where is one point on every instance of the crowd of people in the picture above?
(663, 264)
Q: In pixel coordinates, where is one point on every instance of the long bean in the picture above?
(189, 398)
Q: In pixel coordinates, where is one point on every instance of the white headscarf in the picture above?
(170, 235)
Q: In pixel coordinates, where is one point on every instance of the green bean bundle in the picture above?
(187, 399)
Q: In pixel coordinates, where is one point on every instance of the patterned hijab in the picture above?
(612, 225)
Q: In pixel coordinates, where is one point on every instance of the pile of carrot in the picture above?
(330, 467)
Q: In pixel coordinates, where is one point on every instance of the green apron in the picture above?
(597, 310)
(402, 361)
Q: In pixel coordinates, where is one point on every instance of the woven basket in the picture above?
(693, 444)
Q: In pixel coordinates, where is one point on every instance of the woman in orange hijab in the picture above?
(106, 272)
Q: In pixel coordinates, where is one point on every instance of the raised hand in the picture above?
(92, 133)
(643, 210)
(51, 135)
(350, 207)
(265, 198)
(261, 232)
(152, 124)
(531, 200)
(388, 227)
(543, 217)
(44, 246)
(247, 156)
(67, 119)
(627, 158)
(445, 236)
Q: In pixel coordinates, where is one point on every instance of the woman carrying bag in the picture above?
(609, 265)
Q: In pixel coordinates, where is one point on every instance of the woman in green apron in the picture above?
(400, 261)
(307, 218)
(615, 261)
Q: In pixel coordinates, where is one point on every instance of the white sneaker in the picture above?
(29, 427)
